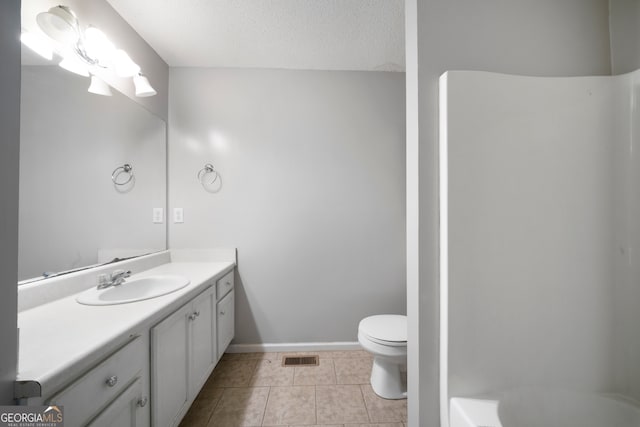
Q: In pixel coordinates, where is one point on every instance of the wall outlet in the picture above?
(158, 215)
(178, 215)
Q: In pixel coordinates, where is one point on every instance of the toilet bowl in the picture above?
(385, 336)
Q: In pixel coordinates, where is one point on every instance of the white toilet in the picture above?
(385, 336)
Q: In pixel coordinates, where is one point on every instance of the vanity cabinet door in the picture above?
(184, 350)
(170, 368)
(225, 316)
(125, 410)
(203, 343)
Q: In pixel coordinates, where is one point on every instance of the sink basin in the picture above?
(133, 290)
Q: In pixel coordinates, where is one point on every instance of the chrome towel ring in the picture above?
(207, 170)
(124, 169)
(210, 179)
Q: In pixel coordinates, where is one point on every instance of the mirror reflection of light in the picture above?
(218, 142)
(75, 65)
(37, 43)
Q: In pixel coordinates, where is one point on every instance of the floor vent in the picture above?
(300, 361)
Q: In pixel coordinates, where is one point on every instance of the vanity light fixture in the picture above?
(85, 52)
(97, 48)
(60, 24)
(99, 86)
(143, 87)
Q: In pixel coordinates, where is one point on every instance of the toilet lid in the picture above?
(385, 327)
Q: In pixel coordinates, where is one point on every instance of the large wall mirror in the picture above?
(72, 214)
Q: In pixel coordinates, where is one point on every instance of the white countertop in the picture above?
(62, 339)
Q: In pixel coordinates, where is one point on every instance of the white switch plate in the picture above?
(158, 215)
(178, 215)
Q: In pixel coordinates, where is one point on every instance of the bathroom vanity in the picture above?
(134, 364)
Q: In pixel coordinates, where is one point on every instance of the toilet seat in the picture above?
(386, 343)
(385, 329)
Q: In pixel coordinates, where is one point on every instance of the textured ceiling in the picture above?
(294, 34)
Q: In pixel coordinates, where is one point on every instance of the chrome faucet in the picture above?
(116, 278)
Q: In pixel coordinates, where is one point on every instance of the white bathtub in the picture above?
(544, 408)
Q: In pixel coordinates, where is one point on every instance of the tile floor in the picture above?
(253, 389)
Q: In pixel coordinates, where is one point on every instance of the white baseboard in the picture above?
(293, 347)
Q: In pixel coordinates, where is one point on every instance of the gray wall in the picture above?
(100, 14)
(624, 21)
(531, 37)
(9, 173)
(312, 166)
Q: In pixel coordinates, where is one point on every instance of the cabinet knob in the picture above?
(143, 402)
(112, 380)
(197, 313)
(222, 313)
(228, 283)
(192, 316)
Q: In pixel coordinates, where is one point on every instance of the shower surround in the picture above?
(540, 229)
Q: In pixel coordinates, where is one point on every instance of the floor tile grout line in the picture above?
(366, 407)
(335, 371)
(215, 406)
(315, 399)
(295, 370)
(264, 411)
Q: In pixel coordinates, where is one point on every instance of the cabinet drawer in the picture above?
(84, 397)
(224, 285)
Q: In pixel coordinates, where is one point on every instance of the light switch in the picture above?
(178, 215)
(158, 215)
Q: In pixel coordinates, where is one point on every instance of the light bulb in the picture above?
(123, 64)
(98, 46)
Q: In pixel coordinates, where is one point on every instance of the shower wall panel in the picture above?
(626, 250)
(529, 222)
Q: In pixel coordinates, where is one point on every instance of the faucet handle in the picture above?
(120, 273)
(103, 279)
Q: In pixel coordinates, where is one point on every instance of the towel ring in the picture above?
(126, 169)
(206, 170)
